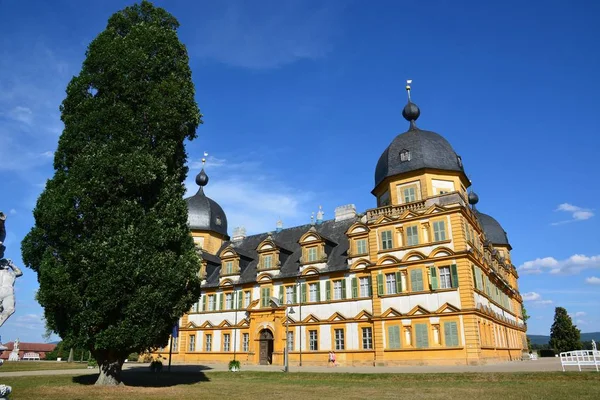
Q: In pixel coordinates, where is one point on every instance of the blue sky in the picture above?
(301, 97)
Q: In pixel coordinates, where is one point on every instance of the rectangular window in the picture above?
(361, 246)
(384, 200)
(312, 341)
(339, 339)
(245, 341)
(416, 280)
(211, 302)
(229, 267)
(313, 290)
(312, 254)
(192, 341)
(445, 282)
(394, 337)
(175, 343)
(337, 290)
(410, 194)
(290, 341)
(290, 294)
(422, 336)
(267, 261)
(367, 338)
(390, 283)
(365, 287)
(450, 334)
(226, 342)
(386, 240)
(412, 235)
(208, 343)
(229, 301)
(247, 298)
(439, 231)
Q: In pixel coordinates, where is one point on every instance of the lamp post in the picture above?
(288, 310)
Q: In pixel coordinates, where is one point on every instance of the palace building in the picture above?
(422, 278)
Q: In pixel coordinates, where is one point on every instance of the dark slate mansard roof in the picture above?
(203, 212)
(493, 230)
(427, 150)
(336, 244)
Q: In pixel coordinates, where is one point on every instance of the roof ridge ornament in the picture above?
(411, 111)
(202, 178)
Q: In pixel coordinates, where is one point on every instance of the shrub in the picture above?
(234, 364)
(133, 357)
(546, 353)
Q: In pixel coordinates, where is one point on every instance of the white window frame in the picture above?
(386, 240)
(208, 342)
(245, 341)
(247, 297)
(390, 283)
(361, 246)
(212, 302)
(226, 342)
(311, 254)
(445, 277)
(339, 339)
(312, 292)
(192, 344)
(363, 286)
(337, 290)
(313, 340)
(228, 301)
(367, 338)
(290, 341)
(289, 294)
(412, 235)
(439, 234)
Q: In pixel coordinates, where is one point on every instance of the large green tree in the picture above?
(115, 261)
(564, 336)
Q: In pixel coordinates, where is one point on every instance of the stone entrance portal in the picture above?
(266, 347)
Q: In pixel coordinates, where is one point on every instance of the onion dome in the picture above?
(473, 198)
(416, 149)
(493, 230)
(204, 213)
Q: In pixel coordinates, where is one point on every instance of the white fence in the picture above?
(580, 358)
(31, 356)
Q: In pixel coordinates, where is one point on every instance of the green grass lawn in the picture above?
(306, 386)
(10, 366)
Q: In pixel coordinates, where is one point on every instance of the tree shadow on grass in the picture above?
(142, 377)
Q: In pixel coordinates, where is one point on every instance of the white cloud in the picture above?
(21, 114)
(29, 321)
(543, 302)
(12, 211)
(593, 280)
(266, 34)
(577, 213)
(572, 265)
(530, 296)
(580, 314)
(581, 322)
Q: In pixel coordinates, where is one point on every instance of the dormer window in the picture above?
(311, 254)
(404, 155)
(267, 261)
(229, 267)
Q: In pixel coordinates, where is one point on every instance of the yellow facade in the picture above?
(415, 280)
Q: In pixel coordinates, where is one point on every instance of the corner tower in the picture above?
(417, 164)
(206, 218)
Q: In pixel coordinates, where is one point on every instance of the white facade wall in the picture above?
(429, 301)
(348, 309)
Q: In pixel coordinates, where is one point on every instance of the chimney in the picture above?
(279, 226)
(239, 233)
(343, 213)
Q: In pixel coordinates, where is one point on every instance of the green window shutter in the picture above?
(344, 288)
(416, 277)
(434, 279)
(370, 287)
(303, 300)
(318, 291)
(380, 284)
(240, 299)
(327, 290)
(268, 297)
(454, 275)
(422, 338)
(221, 301)
(398, 282)
(263, 296)
(354, 288)
(394, 337)
(474, 276)
(204, 302)
(451, 334)
(281, 290)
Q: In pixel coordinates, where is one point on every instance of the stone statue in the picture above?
(594, 346)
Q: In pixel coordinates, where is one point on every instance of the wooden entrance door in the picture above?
(266, 347)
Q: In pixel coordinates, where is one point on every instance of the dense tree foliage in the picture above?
(564, 336)
(111, 247)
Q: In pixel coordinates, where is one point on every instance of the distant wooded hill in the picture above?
(585, 337)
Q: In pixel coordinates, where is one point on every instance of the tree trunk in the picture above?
(110, 372)
(70, 356)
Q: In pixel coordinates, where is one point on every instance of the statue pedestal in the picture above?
(14, 356)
